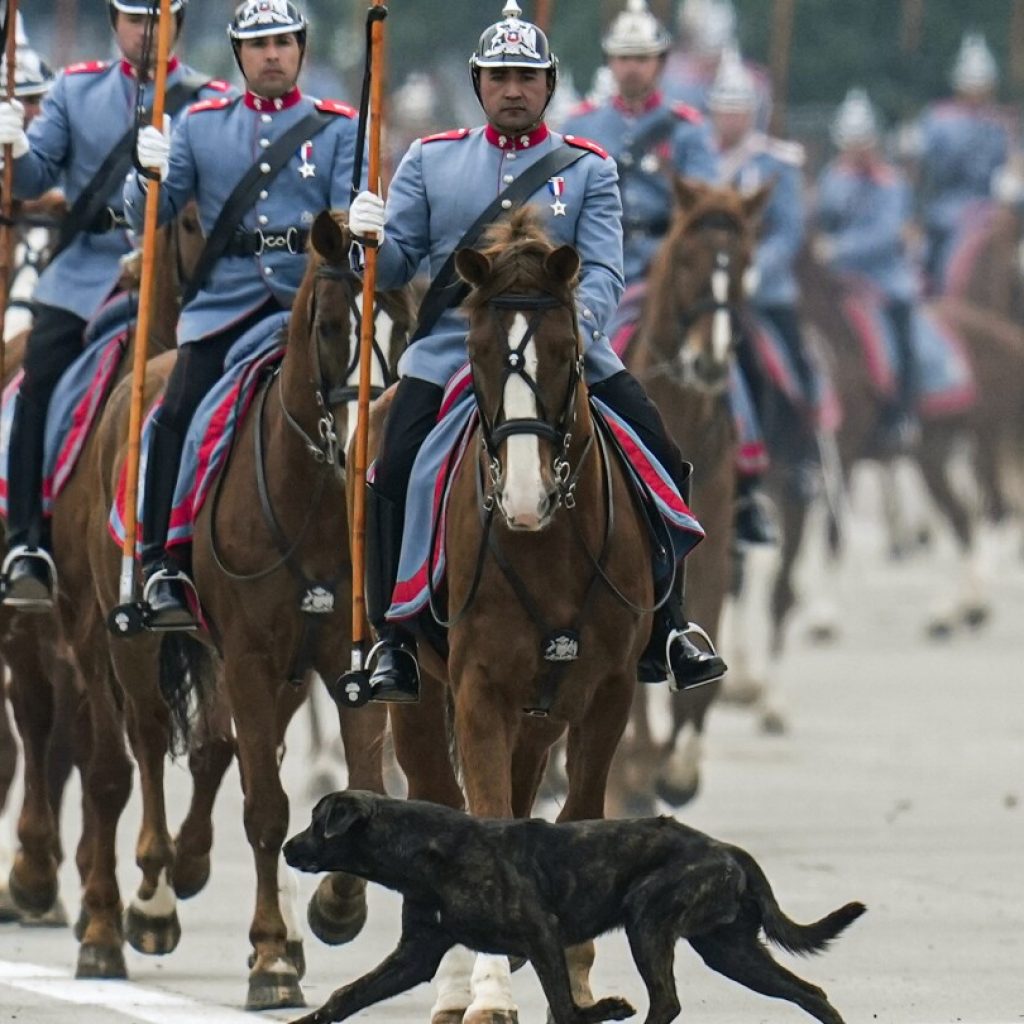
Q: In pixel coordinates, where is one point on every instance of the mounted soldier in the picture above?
(446, 185)
(863, 211)
(654, 139)
(749, 159)
(963, 141)
(81, 141)
(256, 219)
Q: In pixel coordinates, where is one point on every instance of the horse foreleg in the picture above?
(530, 761)
(273, 977)
(679, 780)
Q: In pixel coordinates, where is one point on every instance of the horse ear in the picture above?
(474, 267)
(754, 204)
(689, 192)
(563, 264)
(343, 811)
(329, 238)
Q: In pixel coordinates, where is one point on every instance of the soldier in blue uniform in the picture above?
(964, 141)
(86, 114)
(649, 137)
(863, 211)
(264, 260)
(429, 209)
(750, 159)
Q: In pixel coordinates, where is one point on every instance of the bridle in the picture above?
(498, 428)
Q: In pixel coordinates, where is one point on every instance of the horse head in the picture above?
(527, 362)
(696, 282)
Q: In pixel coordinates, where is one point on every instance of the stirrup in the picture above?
(163, 574)
(41, 555)
(712, 651)
(396, 695)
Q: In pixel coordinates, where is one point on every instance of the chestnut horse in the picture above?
(52, 718)
(542, 535)
(255, 572)
(683, 352)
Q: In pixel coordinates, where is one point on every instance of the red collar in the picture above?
(289, 99)
(129, 69)
(652, 102)
(534, 138)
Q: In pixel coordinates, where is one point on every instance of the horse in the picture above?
(271, 567)
(683, 352)
(547, 557)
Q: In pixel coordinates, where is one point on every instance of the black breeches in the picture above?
(54, 343)
(411, 417)
(901, 317)
(787, 324)
(625, 395)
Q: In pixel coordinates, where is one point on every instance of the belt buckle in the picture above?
(261, 242)
(291, 238)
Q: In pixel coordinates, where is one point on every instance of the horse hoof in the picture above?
(8, 910)
(332, 920)
(293, 951)
(976, 616)
(154, 936)
(448, 1017)
(190, 875)
(674, 794)
(274, 990)
(773, 724)
(32, 901)
(490, 1016)
(100, 962)
(55, 917)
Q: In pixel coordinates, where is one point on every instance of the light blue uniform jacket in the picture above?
(866, 213)
(86, 113)
(646, 186)
(442, 186)
(756, 161)
(212, 149)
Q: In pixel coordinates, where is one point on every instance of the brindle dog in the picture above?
(530, 889)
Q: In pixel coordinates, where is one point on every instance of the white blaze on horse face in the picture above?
(523, 499)
(721, 325)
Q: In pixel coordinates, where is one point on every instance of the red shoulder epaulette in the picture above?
(218, 85)
(450, 136)
(687, 113)
(586, 107)
(216, 103)
(581, 143)
(87, 67)
(336, 107)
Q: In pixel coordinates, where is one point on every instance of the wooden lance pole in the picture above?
(782, 41)
(375, 69)
(8, 237)
(127, 581)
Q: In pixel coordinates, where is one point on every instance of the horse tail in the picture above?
(187, 679)
(790, 936)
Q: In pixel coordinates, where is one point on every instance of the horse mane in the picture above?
(516, 249)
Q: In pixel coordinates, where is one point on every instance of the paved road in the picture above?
(901, 783)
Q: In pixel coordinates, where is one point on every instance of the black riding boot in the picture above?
(395, 675)
(167, 588)
(30, 577)
(753, 520)
(900, 427)
(671, 655)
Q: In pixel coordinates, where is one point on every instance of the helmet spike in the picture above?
(512, 10)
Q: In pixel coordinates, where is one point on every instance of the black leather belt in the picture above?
(258, 242)
(652, 228)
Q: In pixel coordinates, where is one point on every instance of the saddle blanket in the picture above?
(967, 246)
(77, 400)
(945, 379)
(211, 432)
(440, 456)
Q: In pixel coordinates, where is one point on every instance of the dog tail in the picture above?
(794, 938)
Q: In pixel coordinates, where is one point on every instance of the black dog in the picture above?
(530, 889)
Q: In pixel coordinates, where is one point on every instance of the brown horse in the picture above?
(52, 719)
(537, 562)
(275, 587)
(683, 352)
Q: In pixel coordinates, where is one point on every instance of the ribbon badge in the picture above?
(556, 186)
(306, 169)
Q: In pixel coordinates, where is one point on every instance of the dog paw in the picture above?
(612, 1008)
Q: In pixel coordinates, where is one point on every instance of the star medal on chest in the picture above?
(306, 169)
(556, 186)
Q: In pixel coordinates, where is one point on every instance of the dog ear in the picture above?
(344, 811)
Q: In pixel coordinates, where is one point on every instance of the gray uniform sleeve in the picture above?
(599, 243)
(49, 139)
(407, 227)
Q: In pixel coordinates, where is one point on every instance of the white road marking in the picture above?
(145, 1005)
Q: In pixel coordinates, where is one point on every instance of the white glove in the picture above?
(751, 280)
(154, 147)
(366, 216)
(823, 248)
(12, 127)
(1008, 185)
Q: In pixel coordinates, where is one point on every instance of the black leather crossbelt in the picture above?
(256, 243)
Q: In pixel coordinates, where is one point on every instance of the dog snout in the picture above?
(301, 851)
